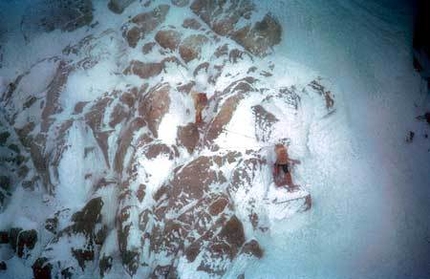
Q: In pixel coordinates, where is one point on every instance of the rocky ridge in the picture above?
(205, 209)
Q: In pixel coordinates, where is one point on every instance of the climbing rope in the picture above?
(267, 143)
(246, 136)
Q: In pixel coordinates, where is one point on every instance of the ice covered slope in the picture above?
(370, 211)
(115, 179)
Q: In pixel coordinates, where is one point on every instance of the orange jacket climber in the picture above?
(281, 171)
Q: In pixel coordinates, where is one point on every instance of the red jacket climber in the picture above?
(200, 102)
(281, 171)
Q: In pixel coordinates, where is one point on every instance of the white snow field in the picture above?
(370, 218)
(370, 188)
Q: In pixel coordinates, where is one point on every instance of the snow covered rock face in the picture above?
(132, 186)
(226, 18)
(118, 6)
(11, 163)
(144, 23)
(49, 15)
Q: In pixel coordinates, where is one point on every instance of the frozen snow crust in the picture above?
(109, 176)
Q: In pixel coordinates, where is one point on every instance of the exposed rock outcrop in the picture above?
(227, 18)
(144, 70)
(142, 24)
(261, 37)
(155, 105)
(42, 269)
(223, 117)
(22, 240)
(158, 192)
(118, 6)
(237, 92)
(86, 230)
(326, 94)
(264, 122)
(191, 47)
(51, 15)
(188, 136)
(169, 39)
(191, 23)
(253, 248)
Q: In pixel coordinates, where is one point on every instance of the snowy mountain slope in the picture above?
(123, 187)
(117, 180)
(374, 224)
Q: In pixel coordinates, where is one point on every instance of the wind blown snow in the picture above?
(370, 190)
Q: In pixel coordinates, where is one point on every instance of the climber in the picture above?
(200, 102)
(281, 171)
